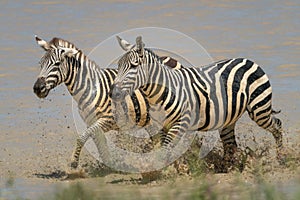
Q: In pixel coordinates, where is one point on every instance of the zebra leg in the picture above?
(276, 129)
(228, 140)
(265, 118)
(76, 153)
(171, 136)
(153, 138)
(95, 131)
(153, 143)
(168, 141)
(233, 156)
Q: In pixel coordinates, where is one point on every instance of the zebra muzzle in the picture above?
(39, 88)
(116, 93)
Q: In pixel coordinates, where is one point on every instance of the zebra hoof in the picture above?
(281, 158)
(151, 176)
(285, 155)
(182, 167)
(74, 165)
(235, 161)
(241, 159)
(75, 174)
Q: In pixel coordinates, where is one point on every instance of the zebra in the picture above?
(89, 85)
(193, 98)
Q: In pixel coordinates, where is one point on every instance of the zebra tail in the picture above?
(274, 112)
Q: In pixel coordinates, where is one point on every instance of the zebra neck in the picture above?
(158, 71)
(82, 76)
(161, 81)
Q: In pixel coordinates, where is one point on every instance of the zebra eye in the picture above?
(57, 63)
(134, 65)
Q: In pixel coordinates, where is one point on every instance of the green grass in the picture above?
(205, 191)
(197, 188)
(73, 192)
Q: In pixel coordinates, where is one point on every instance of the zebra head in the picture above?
(132, 69)
(54, 69)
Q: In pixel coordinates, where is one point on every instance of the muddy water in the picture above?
(36, 135)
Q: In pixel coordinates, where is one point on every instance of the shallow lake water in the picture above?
(38, 135)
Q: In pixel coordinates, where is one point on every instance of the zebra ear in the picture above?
(140, 45)
(42, 43)
(126, 46)
(69, 51)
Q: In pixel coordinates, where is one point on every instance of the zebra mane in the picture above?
(152, 53)
(166, 61)
(58, 42)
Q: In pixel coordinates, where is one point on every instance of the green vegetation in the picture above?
(192, 190)
(74, 192)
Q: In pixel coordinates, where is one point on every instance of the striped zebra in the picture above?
(89, 85)
(212, 97)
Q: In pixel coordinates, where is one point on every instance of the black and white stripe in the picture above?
(212, 97)
(89, 85)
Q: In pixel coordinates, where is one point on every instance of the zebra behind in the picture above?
(89, 85)
(212, 97)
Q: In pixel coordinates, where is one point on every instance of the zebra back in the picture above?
(90, 85)
(215, 95)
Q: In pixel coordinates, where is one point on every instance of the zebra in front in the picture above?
(212, 97)
(89, 85)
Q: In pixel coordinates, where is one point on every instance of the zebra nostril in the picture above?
(116, 93)
(42, 88)
(39, 86)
